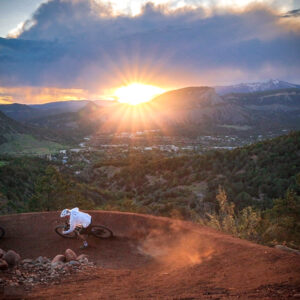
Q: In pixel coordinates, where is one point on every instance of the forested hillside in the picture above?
(270, 110)
(252, 175)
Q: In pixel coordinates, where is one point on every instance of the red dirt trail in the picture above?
(156, 258)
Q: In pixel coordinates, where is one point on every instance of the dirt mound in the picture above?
(160, 258)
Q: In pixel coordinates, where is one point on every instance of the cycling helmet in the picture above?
(65, 212)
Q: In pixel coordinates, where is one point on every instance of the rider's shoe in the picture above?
(84, 246)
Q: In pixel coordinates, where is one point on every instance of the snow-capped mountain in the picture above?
(272, 84)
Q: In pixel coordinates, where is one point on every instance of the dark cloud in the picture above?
(292, 14)
(81, 44)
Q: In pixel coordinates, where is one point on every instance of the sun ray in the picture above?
(136, 93)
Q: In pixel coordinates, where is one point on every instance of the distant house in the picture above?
(190, 148)
(63, 151)
(75, 150)
(174, 148)
(64, 159)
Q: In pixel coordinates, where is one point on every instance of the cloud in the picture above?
(83, 44)
(292, 14)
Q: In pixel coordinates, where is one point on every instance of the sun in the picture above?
(136, 93)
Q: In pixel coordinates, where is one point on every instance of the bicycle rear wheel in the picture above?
(101, 232)
(59, 230)
(2, 232)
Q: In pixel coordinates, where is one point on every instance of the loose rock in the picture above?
(40, 260)
(41, 270)
(55, 265)
(84, 261)
(82, 256)
(57, 258)
(27, 261)
(74, 263)
(3, 264)
(12, 258)
(70, 255)
(2, 253)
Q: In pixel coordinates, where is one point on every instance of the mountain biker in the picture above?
(79, 223)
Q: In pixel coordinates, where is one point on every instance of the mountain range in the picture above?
(22, 112)
(271, 85)
(200, 110)
(187, 111)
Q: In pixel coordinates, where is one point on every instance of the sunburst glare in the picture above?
(137, 93)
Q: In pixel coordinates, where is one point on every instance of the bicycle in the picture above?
(98, 231)
(2, 232)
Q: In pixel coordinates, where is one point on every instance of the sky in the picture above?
(84, 49)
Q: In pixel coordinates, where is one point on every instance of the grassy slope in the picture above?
(25, 144)
(21, 139)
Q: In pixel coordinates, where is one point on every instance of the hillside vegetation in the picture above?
(252, 192)
(34, 184)
(9, 126)
(20, 139)
(252, 175)
(26, 144)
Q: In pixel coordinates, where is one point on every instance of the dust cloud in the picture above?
(176, 248)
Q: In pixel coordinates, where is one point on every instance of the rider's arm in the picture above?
(72, 227)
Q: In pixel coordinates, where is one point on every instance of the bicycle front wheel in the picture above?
(59, 230)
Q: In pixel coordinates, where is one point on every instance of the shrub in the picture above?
(244, 224)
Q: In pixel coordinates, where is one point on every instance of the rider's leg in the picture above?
(82, 237)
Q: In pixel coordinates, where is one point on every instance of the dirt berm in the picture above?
(156, 258)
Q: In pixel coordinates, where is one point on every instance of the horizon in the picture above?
(109, 98)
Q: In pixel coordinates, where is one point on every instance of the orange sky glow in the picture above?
(37, 95)
(136, 93)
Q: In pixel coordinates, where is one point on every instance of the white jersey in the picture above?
(78, 218)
